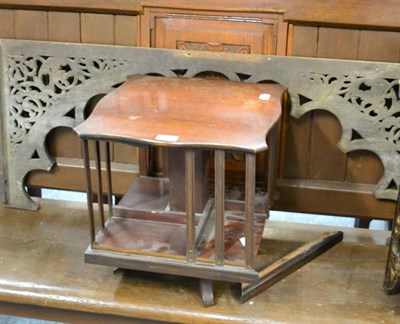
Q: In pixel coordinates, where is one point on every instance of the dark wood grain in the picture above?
(145, 108)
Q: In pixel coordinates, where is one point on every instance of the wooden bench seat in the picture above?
(43, 275)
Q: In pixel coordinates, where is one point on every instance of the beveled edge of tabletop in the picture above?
(94, 134)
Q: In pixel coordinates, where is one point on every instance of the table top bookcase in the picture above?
(172, 224)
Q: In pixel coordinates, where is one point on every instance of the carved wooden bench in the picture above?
(47, 85)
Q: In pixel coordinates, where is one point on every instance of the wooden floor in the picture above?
(42, 274)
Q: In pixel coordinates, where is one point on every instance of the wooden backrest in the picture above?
(48, 85)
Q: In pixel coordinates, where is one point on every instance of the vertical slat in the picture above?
(304, 41)
(6, 23)
(190, 207)
(109, 179)
(125, 30)
(219, 206)
(99, 184)
(383, 46)
(64, 27)
(97, 28)
(338, 43)
(32, 25)
(85, 149)
(249, 209)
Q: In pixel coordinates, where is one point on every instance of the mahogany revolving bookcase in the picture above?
(173, 224)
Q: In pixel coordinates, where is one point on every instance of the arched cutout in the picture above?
(63, 142)
(91, 103)
(211, 75)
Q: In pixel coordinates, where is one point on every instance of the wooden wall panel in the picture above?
(357, 13)
(64, 27)
(125, 30)
(31, 25)
(6, 23)
(304, 41)
(97, 29)
(338, 43)
(381, 46)
(130, 7)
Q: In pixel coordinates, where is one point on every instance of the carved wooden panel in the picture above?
(47, 85)
(215, 33)
(212, 47)
(69, 27)
(257, 32)
(314, 168)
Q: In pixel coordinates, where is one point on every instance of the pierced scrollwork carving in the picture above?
(46, 85)
(378, 101)
(42, 92)
(369, 112)
(213, 47)
(35, 82)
